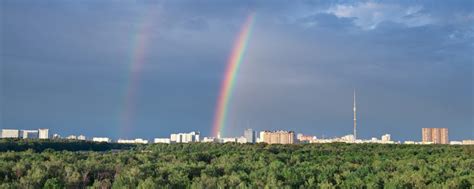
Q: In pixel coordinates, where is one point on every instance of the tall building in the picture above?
(43, 133)
(435, 135)
(32, 134)
(250, 135)
(10, 133)
(184, 137)
(277, 137)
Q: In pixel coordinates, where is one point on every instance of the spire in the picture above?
(355, 117)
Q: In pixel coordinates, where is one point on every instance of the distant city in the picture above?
(429, 136)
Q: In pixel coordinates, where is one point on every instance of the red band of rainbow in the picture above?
(230, 77)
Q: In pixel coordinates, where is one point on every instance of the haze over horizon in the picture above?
(86, 67)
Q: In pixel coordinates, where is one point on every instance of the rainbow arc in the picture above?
(230, 76)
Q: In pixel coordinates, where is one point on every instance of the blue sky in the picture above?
(65, 65)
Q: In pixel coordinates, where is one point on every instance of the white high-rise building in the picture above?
(43, 133)
(250, 135)
(31, 134)
(10, 133)
(261, 136)
(184, 137)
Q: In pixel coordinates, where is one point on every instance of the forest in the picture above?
(69, 164)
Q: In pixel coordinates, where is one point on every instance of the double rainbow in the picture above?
(230, 77)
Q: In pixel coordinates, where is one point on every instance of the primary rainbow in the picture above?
(230, 76)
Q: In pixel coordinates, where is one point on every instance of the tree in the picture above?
(53, 183)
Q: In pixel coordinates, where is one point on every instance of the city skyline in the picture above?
(147, 69)
(354, 133)
(429, 136)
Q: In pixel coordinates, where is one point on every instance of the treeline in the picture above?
(39, 145)
(206, 165)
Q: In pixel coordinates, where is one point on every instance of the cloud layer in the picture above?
(65, 66)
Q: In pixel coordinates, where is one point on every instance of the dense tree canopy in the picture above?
(207, 165)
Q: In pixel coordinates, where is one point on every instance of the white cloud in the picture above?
(369, 15)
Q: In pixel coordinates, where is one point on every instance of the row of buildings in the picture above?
(25, 134)
(269, 137)
(429, 136)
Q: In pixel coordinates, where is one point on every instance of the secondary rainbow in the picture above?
(140, 40)
(230, 76)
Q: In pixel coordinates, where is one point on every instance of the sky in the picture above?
(127, 69)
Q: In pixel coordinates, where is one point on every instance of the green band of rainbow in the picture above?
(230, 76)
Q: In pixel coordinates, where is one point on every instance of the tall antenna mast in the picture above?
(355, 117)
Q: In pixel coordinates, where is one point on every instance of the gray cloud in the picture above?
(66, 66)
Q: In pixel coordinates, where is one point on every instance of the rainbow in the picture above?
(140, 41)
(230, 77)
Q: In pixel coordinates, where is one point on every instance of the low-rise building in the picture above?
(134, 141)
(305, 138)
(71, 137)
(229, 139)
(29, 134)
(210, 139)
(386, 138)
(81, 137)
(162, 140)
(455, 142)
(56, 136)
(184, 137)
(468, 142)
(10, 133)
(243, 140)
(101, 139)
(348, 138)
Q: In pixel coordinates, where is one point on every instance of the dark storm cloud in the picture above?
(65, 65)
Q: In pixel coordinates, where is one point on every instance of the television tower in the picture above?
(355, 117)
